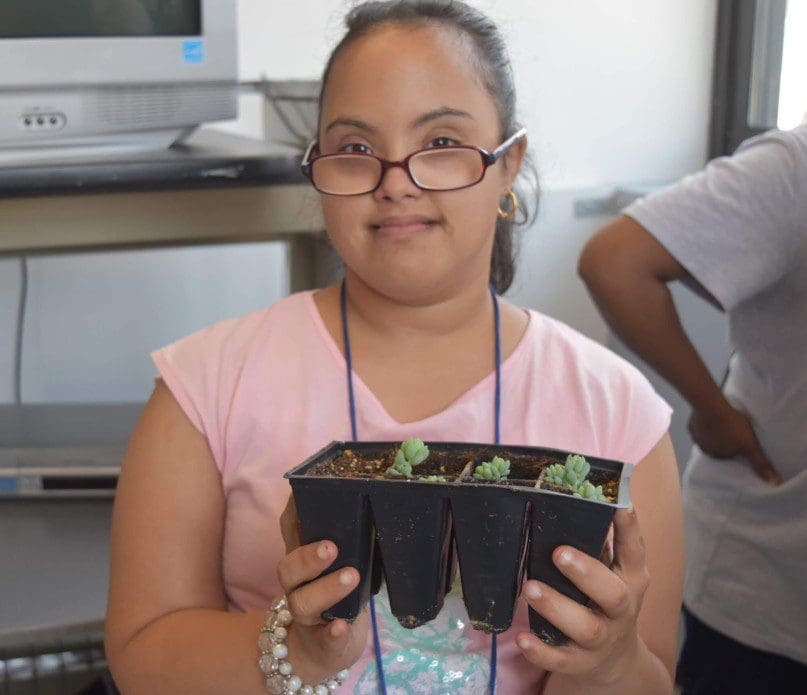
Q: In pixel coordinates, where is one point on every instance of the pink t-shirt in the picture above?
(268, 389)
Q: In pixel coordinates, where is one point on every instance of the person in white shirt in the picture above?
(736, 233)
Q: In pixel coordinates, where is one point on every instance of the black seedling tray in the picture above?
(412, 534)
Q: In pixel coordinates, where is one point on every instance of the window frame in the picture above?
(741, 78)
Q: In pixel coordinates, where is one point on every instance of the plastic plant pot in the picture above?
(407, 529)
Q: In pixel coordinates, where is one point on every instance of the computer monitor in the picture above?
(90, 76)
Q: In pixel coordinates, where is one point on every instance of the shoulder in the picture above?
(791, 143)
(236, 337)
(205, 370)
(563, 347)
(596, 390)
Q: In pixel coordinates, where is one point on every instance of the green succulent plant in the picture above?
(571, 474)
(411, 453)
(587, 491)
(401, 470)
(432, 479)
(497, 469)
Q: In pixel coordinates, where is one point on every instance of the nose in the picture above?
(396, 184)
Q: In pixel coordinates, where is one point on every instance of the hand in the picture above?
(317, 648)
(729, 433)
(604, 637)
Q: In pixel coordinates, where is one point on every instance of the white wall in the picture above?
(612, 91)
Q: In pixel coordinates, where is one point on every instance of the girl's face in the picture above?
(395, 91)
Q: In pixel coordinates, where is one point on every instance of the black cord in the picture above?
(20, 329)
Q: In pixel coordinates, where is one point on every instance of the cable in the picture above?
(20, 329)
(302, 139)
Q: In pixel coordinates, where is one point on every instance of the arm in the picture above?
(628, 644)
(167, 618)
(626, 271)
(167, 628)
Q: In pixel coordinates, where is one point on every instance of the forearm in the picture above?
(198, 651)
(644, 675)
(641, 311)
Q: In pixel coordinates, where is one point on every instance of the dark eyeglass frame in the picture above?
(488, 159)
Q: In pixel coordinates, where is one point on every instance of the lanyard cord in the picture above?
(382, 683)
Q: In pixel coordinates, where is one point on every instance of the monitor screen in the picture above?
(99, 18)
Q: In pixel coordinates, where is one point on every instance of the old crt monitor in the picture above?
(92, 76)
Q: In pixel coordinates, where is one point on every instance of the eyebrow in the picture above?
(441, 112)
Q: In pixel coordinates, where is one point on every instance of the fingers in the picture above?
(617, 592)
(629, 549)
(604, 587)
(308, 596)
(305, 563)
(570, 659)
(578, 623)
(308, 602)
(330, 647)
(761, 464)
(607, 555)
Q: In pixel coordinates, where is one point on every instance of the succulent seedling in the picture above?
(571, 474)
(587, 491)
(411, 453)
(497, 469)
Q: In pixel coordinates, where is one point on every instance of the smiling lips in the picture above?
(402, 225)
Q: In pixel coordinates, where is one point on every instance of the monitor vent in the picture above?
(151, 106)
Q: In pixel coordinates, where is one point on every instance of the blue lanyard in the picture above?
(496, 430)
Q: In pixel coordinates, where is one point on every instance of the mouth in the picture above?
(402, 226)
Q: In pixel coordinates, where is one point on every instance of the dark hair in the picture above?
(494, 67)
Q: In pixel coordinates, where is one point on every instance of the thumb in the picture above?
(339, 638)
(336, 637)
(762, 466)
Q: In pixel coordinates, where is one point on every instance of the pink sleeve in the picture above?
(642, 416)
(202, 371)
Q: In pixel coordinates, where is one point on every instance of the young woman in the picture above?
(416, 157)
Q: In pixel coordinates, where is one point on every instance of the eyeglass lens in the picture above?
(438, 170)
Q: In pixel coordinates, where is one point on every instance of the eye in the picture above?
(442, 141)
(353, 148)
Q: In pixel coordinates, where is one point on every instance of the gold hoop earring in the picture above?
(508, 214)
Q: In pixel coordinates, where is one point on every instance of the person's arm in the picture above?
(626, 271)
(167, 627)
(627, 643)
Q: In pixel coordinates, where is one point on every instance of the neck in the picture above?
(465, 309)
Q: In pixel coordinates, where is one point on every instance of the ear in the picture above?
(513, 160)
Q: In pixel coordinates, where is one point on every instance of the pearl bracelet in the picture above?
(275, 667)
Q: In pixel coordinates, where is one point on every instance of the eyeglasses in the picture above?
(433, 169)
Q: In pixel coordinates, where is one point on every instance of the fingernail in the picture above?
(565, 557)
(523, 643)
(323, 551)
(533, 591)
(346, 577)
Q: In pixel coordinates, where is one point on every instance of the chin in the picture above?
(419, 289)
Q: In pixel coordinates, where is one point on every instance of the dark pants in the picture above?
(713, 664)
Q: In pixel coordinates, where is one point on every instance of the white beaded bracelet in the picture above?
(273, 662)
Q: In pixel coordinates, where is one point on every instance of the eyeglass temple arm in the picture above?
(308, 151)
(507, 144)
